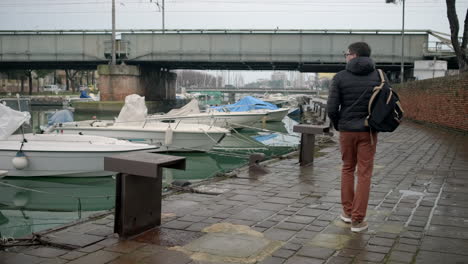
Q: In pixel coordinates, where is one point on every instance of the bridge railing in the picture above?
(437, 47)
(221, 31)
(122, 49)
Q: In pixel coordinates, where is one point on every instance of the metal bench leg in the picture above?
(307, 149)
(138, 203)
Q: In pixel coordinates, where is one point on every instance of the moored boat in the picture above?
(133, 124)
(191, 114)
(252, 104)
(166, 136)
(31, 155)
(275, 115)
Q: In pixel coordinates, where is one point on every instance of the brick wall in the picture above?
(441, 101)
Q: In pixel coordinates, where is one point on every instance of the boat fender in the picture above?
(20, 161)
(21, 199)
(168, 136)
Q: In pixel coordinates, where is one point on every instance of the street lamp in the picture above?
(402, 66)
(163, 26)
(161, 8)
(113, 34)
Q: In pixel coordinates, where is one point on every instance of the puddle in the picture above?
(406, 193)
(390, 228)
(332, 241)
(232, 229)
(340, 223)
(168, 237)
(228, 243)
(372, 212)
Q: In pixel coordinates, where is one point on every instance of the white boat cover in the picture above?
(11, 120)
(133, 113)
(190, 108)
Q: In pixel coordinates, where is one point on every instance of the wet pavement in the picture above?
(418, 213)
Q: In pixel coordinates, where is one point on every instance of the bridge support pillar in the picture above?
(232, 97)
(118, 81)
(171, 85)
(158, 84)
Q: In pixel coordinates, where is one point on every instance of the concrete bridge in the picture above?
(302, 50)
(155, 52)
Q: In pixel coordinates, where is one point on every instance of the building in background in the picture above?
(324, 80)
(427, 69)
(279, 76)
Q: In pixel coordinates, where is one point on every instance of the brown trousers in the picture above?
(356, 149)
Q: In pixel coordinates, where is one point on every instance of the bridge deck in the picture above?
(302, 50)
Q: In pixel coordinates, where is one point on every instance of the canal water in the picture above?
(29, 205)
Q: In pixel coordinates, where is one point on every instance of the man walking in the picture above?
(348, 100)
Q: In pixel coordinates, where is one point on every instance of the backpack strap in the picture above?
(376, 90)
(355, 102)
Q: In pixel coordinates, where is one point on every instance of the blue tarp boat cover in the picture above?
(84, 94)
(61, 116)
(245, 104)
(262, 138)
(296, 111)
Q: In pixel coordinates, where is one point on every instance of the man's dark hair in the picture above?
(361, 49)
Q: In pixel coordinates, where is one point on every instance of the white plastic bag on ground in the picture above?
(133, 113)
(11, 120)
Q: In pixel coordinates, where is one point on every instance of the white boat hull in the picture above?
(181, 139)
(76, 156)
(42, 164)
(277, 115)
(229, 120)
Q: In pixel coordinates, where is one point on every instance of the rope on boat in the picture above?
(206, 133)
(251, 127)
(234, 155)
(230, 154)
(262, 130)
(247, 140)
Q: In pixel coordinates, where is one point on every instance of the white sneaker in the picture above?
(345, 218)
(359, 226)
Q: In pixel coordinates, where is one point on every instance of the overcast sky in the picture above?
(226, 14)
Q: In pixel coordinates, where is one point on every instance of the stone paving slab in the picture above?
(417, 212)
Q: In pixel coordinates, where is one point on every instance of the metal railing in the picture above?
(223, 31)
(122, 48)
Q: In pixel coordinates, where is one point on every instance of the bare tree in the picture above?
(40, 74)
(70, 76)
(29, 75)
(189, 78)
(460, 50)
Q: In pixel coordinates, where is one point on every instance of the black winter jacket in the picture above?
(347, 86)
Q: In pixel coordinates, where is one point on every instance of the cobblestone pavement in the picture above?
(418, 213)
